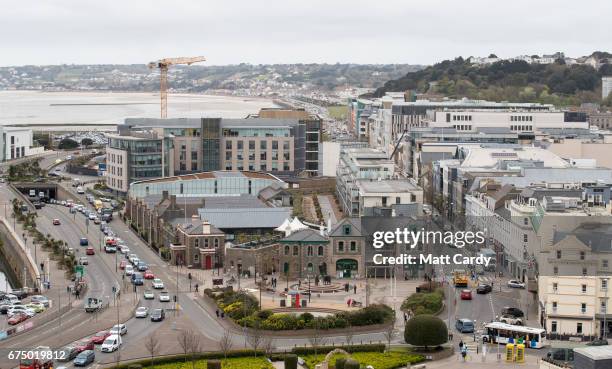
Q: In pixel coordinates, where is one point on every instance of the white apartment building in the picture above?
(515, 121)
(16, 142)
(606, 86)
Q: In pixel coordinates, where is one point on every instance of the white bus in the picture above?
(498, 332)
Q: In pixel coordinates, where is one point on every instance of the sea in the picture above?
(104, 110)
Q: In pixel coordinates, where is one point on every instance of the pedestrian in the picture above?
(217, 312)
(464, 352)
(348, 303)
(299, 283)
(460, 344)
(405, 317)
(222, 315)
(196, 287)
(355, 289)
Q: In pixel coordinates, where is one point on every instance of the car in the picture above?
(122, 264)
(73, 210)
(36, 306)
(110, 249)
(12, 298)
(67, 353)
(96, 220)
(149, 295)
(112, 343)
(83, 260)
(90, 251)
(141, 312)
(137, 279)
(103, 226)
(164, 296)
(515, 283)
(40, 299)
(158, 315)
(131, 257)
(148, 275)
(84, 345)
(135, 262)
(84, 358)
(21, 293)
(84, 241)
(99, 337)
(91, 216)
(142, 266)
(63, 203)
(129, 270)
(464, 325)
(17, 318)
(158, 284)
(515, 312)
(466, 295)
(20, 309)
(120, 329)
(598, 342)
(124, 249)
(56, 221)
(80, 190)
(509, 319)
(484, 288)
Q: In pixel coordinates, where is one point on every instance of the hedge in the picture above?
(386, 360)
(181, 358)
(325, 349)
(234, 363)
(424, 302)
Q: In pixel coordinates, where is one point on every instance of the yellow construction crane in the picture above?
(163, 65)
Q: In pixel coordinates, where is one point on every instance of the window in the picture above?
(584, 288)
(353, 246)
(310, 268)
(579, 328)
(582, 254)
(604, 284)
(216, 243)
(309, 250)
(398, 200)
(341, 246)
(274, 145)
(553, 326)
(602, 307)
(525, 221)
(554, 305)
(263, 145)
(295, 251)
(197, 242)
(286, 250)
(583, 307)
(251, 145)
(206, 243)
(584, 272)
(558, 254)
(240, 145)
(555, 286)
(525, 238)
(321, 251)
(196, 257)
(347, 229)
(556, 270)
(286, 145)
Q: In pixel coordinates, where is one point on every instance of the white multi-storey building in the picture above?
(606, 86)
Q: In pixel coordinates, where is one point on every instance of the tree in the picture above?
(68, 144)
(195, 346)
(255, 337)
(316, 339)
(348, 335)
(86, 142)
(225, 344)
(425, 331)
(185, 337)
(152, 345)
(390, 331)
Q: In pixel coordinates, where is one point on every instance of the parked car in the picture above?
(56, 221)
(129, 270)
(67, 353)
(142, 266)
(466, 295)
(99, 337)
(464, 325)
(164, 296)
(111, 344)
(141, 312)
(17, 318)
(84, 345)
(158, 315)
(122, 264)
(137, 279)
(484, 288)
(509, 319)
(41, 299)
(20, 309)
(84, 358)
(36, 306)
(514, 283)
(120, 329)
(598, 342)
(515, 312)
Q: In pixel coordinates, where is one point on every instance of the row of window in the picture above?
(582, 254)
(262, 166)
(116, 183)
(309, 250)
(462, 118)
(263, 145)
(514, 127)
(205, 244)
(554, 327)
(114, 158)
(463, 127)
(352, 247)
(262, 155)
(604, 286)
(521, 118)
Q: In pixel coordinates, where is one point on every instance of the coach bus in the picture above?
(503, 333)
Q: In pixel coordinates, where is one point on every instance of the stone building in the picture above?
(199, 245)
(347, 248)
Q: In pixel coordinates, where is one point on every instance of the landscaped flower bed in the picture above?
(387, 360)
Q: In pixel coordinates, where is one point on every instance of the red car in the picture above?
(90, 251)
(99, 337)
(56, 222)
(122, 264)
(17, 318)
(148, 275)
(466, 295)
(84, 344)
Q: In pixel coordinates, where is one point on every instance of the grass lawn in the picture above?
(233, 363)
(388, 360)
(338, 111)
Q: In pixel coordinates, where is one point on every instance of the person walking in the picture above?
(355, 289)
(196, 287)
(217, 312)
(464, 352)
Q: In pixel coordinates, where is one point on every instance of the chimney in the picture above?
(172, 201)
(205, 227)
(164, 195)
(195, 218)
(203, 202)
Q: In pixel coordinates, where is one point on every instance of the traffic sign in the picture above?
(80, 270)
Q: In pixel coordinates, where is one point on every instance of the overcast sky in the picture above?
(289, 31)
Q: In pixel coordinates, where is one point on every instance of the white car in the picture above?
(158, 284)
(119, 329)
(509, 319)
(80, 190)
(92, 216)
(135, 261)
(129, 270)
(20, 309)
(149, 295)
(142, 312)
(111, 343)
(164, 296)
(513, 283)
(124, 249)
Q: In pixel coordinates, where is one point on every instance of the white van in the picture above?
(80, 190)
(111, 343)
(32, 193)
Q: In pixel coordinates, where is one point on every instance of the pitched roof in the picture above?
(232, 218)
(306, 236)
(355, 229)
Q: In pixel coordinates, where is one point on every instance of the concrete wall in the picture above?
(18, 258)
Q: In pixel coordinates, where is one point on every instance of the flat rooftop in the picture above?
(212, 175)
(386, 186)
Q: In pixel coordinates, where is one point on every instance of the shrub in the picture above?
(307, 317)
(301, 351)
(351, 364)
(387, 360)
(213, 364)
(424, 302)
(425, 330)
(373, 314)
(340, 363)
(291, 361)
(264, 314)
